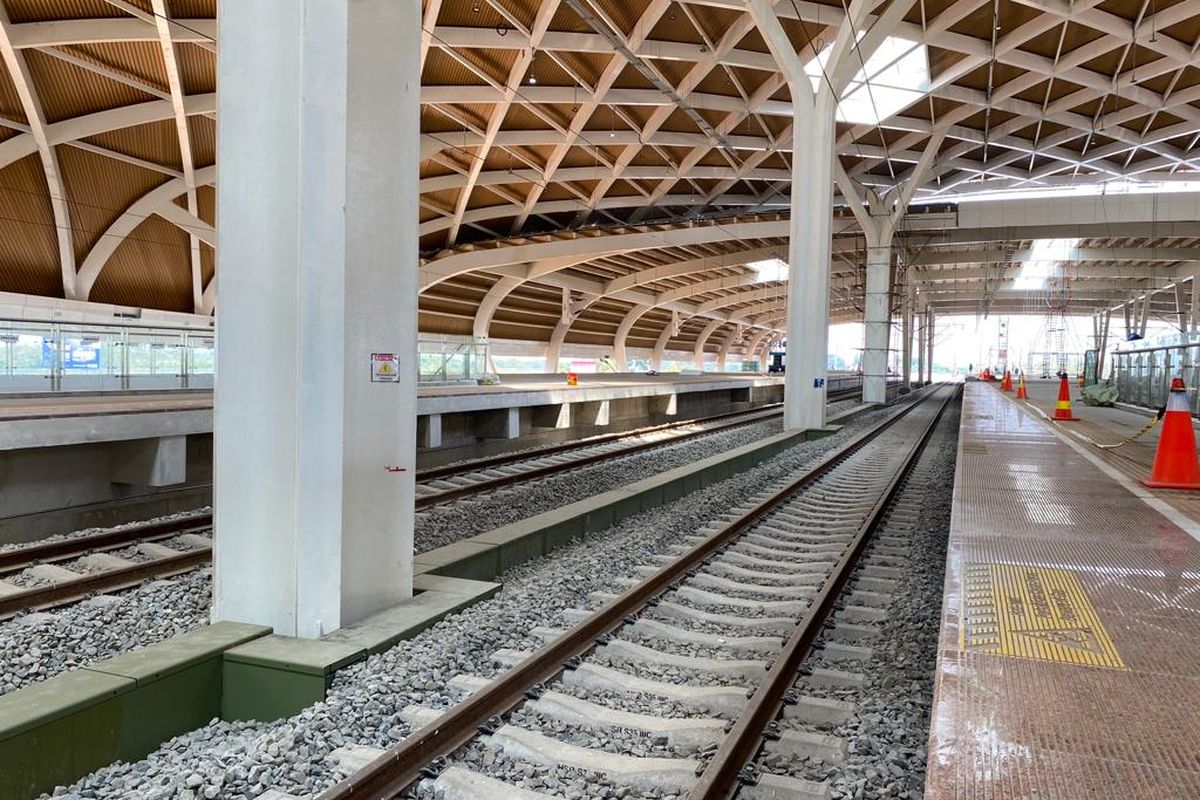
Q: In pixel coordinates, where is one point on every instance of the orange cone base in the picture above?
(1064, 419)
(1169, 484)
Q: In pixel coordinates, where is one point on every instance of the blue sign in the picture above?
(818, 383)
(76, 355)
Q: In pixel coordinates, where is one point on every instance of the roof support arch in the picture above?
(159, 200)
(702, 339)
(638, 311)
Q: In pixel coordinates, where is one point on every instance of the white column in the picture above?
(808, 282)
(930, 323)
(317, 206)
(877, 318)
(906, 334)
(921, 334)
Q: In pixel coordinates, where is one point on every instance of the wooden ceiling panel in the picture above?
(47, 10)
(203, 133)
(99, 191)
(28, 244)
(192, 9)
(150, 269)
(68, 91)
(197, 68)
(10, 102)
(141, 61)
(677, 36)
(155, 141)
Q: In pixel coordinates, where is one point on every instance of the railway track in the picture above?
(68, 570)
(440, 485)
(716, 635)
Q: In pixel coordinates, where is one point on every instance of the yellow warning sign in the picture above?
(1032, 612)
(385, 368)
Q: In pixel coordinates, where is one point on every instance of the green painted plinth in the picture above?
(278, 676)
(53, 732)
(56, 731)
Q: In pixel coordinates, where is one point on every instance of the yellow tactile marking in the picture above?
(1032, 612)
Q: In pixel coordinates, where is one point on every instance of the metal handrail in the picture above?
(1181, 346)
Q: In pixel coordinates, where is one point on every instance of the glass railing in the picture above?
(92, 357)
(1143, 376)
(85, 357)
(451, 361)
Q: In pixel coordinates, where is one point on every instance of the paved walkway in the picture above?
(1069, 663)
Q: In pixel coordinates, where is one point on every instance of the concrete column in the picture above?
(317, 206)
(906, 335)
(930, 324)
(501, 423)
(877, 319)
(429, 431)
(161, 461)
(552, 416)
(810, 228)
(922, 332)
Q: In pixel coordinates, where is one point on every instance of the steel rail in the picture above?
(69, 591)
(505, 459)
(62, 549)
(399, 767)
(723, 775)
(499, 482)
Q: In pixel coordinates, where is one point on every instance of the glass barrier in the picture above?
(66, 357)
(451, 362)
(70, 357)
(1143, 377)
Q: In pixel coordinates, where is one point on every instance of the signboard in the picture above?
(77, 354)
(385, 368)
(818, 383)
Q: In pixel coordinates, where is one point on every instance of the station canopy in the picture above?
(594, 163)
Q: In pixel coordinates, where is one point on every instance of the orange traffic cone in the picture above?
(1006, 384)
(1062, 409)
(1175, 463)
(1021, 393)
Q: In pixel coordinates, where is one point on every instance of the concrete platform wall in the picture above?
(482, 433)
(48, 490)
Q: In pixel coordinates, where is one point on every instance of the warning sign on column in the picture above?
(385, 368)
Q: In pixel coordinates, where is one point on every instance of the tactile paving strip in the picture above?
(1070, 646)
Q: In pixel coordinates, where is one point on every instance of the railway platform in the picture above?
(83, 459)
(1122, 425)
(1069, 660)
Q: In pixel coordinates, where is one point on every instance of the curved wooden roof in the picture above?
(629, 120)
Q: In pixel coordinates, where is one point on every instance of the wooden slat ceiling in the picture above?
(1041, 93)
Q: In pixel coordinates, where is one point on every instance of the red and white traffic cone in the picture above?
(1006, 384)
(1062, 409)
(1175, 463)
(1022, 394)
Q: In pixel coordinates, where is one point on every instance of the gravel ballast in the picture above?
(243, 760)
(76, 636)
(888, 738)
(36, 646)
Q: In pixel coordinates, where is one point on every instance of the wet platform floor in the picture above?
(1069, 661)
